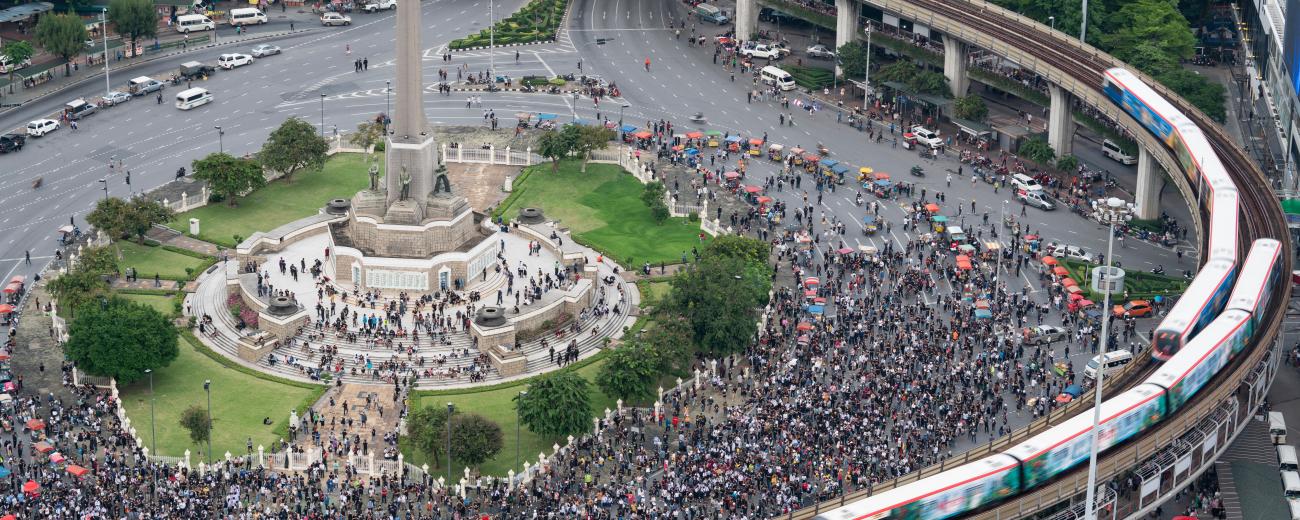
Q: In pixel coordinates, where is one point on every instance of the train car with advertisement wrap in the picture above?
(1213, 322)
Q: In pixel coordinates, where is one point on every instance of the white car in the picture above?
(332, 19)
(41, 127)
(821, 52)
(230, 61)
(761, 50)
(265, 49)
(116, 98)
(374, 6)
(927, 137)
(1072, 252)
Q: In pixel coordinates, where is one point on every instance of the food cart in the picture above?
(797, 154)
(938, 223)
(776, 152)
(869, 225)
(864, 174)
(811, 162)
(755, 147)
(714, 138)
(733, 143)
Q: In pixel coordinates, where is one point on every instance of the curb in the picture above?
(504, 45)
(137, 64)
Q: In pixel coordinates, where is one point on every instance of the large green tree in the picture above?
(16, 52)
(229, 176)
(75, 288)
(293, 147)
(751, 250)
(1207, 95)
(852, 57)
(119, 338)
(474, 438)
(587, 139)
(1037, 150)
(195, 420)
(720, 298)
(63, 35)
(971, 108)
(427, 429)
(629, 372)
(134, 19)
(555, 145)
(121, 219)
(1154, 22)
(558, 403)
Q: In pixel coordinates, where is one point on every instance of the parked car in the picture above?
(41, 127)
(373, 6)
(332, 19)
(194, 69)
(762, 50)
(1045, 334)
(265, 49)
(143, 85)
(1069, 251)
(820, 51)
(116, 98)
(927, 136)
(1134, 309)
(12, 142)
(230, 61)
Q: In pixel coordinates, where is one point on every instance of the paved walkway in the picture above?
(171, 237)
(147, 283)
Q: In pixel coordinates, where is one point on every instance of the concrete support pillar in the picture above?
(746, 18)
(954, 65)
(1060, 122)
(846, 24)
(1147, 195)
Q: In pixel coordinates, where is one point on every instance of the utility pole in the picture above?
(103, 26)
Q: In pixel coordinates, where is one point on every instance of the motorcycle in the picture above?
(823, 150)
(698, 117)
(918, 171)
(1159, 269)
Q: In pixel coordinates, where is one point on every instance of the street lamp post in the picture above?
(620, 121)
(450, 408)
(153, 429)
(866, 75)
(388, 102)
(492, 47)
(522, 394)
(207, 388)
(221, 146)
(104, 182)
(1052, 20)
(103, 26)
(1083, 27)
(574, 108)
(322, 115)
(998, 273)
(1090, 511)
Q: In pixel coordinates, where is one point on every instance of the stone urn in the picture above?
(282, 306)
(531, 215)
(491, 317)
(337, 207)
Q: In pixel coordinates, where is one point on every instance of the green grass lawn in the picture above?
(497, 406)
(161, 303)
(279, 202)
(653, 292)
(150, 260)
(604, 210)
(239, 402)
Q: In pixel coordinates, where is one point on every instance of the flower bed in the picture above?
(536, 22)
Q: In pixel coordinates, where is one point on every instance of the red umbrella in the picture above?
(754, 141)
(764, 200)
(6, 308)
(1068, 282)
(844, 250)
(35, 424)
(8, 517)
(812, 280)
(43, 447)
(694, 135)
(1060, 271)
(642, 135)
(752, 189)
(31, 487)
(804, 326)
(57, 458)
(1074, 297)
(77, 471)
(1049, 260)
(731, 175)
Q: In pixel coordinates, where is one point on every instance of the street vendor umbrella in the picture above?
(694, 134)
(731, 175)
(812, 281)
(866, 170)
(77, 471)
(642, 135)
(627, 129)
(545, 116)
(1067, 281)
(932, 207)
(679, 148)
(754, 141)
(4, 472)
(712, 133)
(692, 151)
(752, 189)
(1060, 271)
(6, 308)
(803, 326)
(845, 250)
(8, 517)
(57, 458)
(810, 293)
(43, 447)
(1076, 296)
(811, 157)
(803, 340)
(31, 486)
(733, 139)
(815, 309)
(35, 424)
(764, 200)
(1049, 260)
(882, 176)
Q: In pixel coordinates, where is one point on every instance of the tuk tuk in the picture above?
(755, 146)
(882, 188)
(992, 248)
(797, 153)
(714, 138)
(956, 235)
(828, 163)
(776, 152)
(938, 223)
(869, 225)
(7, 314)
(810, 162)
(733, 143)
(546, 121)
(840, 171)
(864, 174)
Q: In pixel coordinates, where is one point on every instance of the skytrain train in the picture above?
(1213, 321)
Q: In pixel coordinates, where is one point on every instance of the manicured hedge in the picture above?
(536, 22)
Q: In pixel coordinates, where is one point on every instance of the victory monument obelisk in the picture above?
(410, 231)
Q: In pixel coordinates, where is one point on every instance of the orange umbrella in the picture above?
(694, 135)
(1076, 296)
(1060, 271)
(764, 200)
(882, 176)
(57, 458)
(803, 325)
(1049, 261)
(35, 424)
(77, 471)
(754, 141)
(642, 135)
(932, 208)
(43, 447)
(6, 308)
(30, 487)
(1069, 282)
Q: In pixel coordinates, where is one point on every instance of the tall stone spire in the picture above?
(410, 149)
(409, 120)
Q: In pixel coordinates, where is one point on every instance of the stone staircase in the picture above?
(211, 295)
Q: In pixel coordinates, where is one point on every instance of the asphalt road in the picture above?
(154, 140)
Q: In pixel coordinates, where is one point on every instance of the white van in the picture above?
(1286, 460)
(1277, 427)
(1291, 485)
(247, 16)
(1112, 150)
(194, 22)
(1025, 182)
(1114, 362)
(5, 66)
(775, 76)
(194, 97)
